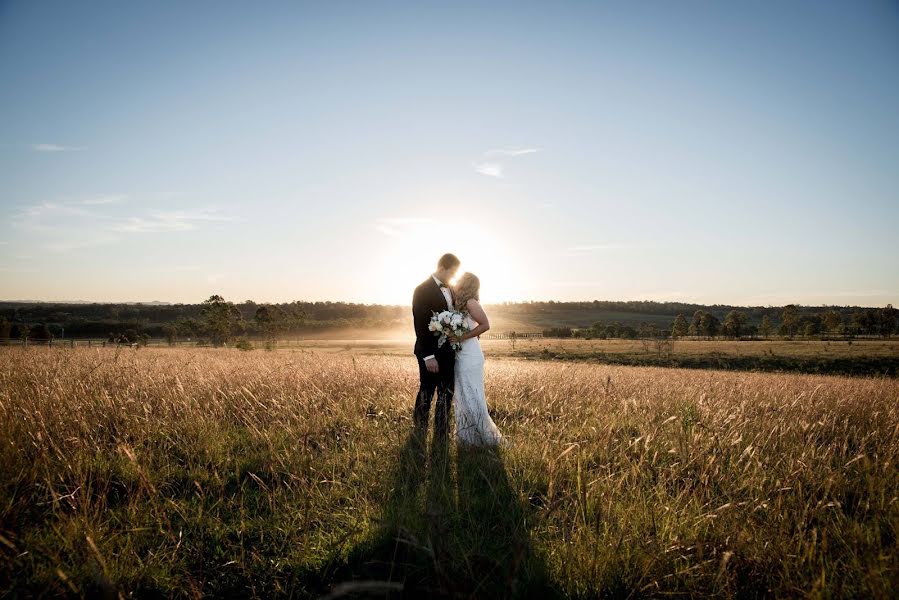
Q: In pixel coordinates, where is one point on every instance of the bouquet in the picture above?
(447, 323)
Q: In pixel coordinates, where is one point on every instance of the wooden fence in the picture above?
(512, 335)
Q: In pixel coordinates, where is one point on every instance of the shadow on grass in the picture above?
(447, 533)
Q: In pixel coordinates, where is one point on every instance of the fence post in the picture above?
(71, 342)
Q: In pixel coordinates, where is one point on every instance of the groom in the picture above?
(435, 365)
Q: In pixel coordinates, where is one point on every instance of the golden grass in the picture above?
(189, 472)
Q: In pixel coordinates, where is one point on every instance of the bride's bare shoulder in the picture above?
(476, 310)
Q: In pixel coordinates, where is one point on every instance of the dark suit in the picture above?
(428, 299)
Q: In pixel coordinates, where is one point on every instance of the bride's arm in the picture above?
(477, 313)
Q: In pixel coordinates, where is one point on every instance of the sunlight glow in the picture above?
(410, 257)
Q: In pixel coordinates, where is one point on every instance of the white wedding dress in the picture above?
(473, 423)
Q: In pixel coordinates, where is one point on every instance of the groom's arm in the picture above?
(421, 317)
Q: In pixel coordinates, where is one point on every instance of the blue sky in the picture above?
(672, 151)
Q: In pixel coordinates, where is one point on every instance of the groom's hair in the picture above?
(448, 261)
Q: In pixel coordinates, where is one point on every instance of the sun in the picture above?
(411, 255)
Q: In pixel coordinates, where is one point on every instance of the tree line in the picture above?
(217, 320)
(203, 321)
(736, 324)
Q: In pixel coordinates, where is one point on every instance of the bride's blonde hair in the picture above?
(468, 287)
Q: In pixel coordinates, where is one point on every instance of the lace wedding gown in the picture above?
(473, 423)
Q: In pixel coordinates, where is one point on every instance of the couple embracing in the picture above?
(456, 376)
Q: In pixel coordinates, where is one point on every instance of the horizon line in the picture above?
(500, 302)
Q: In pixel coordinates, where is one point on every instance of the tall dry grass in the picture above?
(203, 472)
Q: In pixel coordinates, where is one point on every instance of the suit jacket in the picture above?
(427, 300)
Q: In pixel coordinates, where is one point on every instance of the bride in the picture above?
(473, 423)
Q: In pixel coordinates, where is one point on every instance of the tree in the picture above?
(648, 331)
(888, 316)
(24, 331)
(734, 324)
(294, 316)
(789, 324)
(765, 327)
(221, 319)
(170, 330)
(5, 330)
(270, 320)
(558, 332)
(696, 324)
(41, 333)
(833, 321)
(679, 328)
(189, 327)
(709, 325)
(865, 322)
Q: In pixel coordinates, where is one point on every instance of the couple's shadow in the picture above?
(446, 532)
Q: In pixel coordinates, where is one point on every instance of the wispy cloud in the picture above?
(490, 162)
(168, 221)
(56, 148)
(394, 226)
(510, 151)
(490, 169)
(34, 217)
(77, 244)
(594, 248)
(86, 222)
(152, 225)
(108, 199)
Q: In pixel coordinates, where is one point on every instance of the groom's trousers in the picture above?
(441, 383)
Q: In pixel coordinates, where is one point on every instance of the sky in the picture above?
(278, 151)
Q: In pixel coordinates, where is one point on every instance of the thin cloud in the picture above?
(28, 215)
(510, 151)
(167, 221)
(593, 248)
(394, 226)
(81, 223)
(109, 199)
(56, 148)
(490, 169)
(77, 244)
(490, 163)
(152, 225)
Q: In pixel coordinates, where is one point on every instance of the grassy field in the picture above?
(860, 357)
(213, 472)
